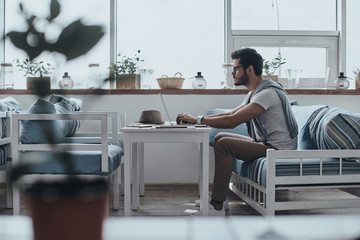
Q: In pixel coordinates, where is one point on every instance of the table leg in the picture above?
(135, 178)
(200, 168)
(141, 158)
(204, 147)
(127, 174)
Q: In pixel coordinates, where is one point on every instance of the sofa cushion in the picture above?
(303, 114)
(85, 162)
(9, 104)
(62, 105)
(335, 128)
(38, 131)
(241, 129)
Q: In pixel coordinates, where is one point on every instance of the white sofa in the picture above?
(95, 153)
(324, 159)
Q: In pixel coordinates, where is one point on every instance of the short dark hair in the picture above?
(249, 56)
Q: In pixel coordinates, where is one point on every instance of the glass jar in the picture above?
(6, 76)
(227, 81)
(199, 82)
(146, 78)
(342, 82)
(293, 77)
(66, 82)
(93, 79)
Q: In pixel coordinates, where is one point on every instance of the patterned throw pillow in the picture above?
(303, 116)
(335, 128)
(9, 104)
(62, 104)
(32, 131)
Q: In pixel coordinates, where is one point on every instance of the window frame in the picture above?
(333, 41)
(2, 30)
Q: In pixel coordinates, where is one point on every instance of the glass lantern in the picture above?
(342, 82)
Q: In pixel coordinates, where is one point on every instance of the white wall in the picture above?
(179, 163)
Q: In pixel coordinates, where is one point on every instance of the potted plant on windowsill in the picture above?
(126, 71)
(50, 201)
(271, 66)
(37, 75)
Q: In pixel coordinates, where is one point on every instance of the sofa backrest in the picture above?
(302, 116)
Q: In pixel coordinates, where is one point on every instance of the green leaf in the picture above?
(54, 10)
(19, 39)
(77, 39)
(21, 7)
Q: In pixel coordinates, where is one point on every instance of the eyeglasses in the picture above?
(236, 68)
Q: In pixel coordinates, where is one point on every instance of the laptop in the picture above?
(174, 124)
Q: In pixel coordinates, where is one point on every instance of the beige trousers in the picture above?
(226, 147)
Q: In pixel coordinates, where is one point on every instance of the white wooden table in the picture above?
(134, 139)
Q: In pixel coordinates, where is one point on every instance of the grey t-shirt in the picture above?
(273, 119)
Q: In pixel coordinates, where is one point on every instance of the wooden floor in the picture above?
(178, 200)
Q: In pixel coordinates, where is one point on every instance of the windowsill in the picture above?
(182, 91)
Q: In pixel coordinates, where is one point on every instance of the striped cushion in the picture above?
(335, 128)
(9, 104)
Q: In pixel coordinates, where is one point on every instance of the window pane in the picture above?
(174, 36)
(284, 15)
(353, 36)
(91, 12)
(312, 62)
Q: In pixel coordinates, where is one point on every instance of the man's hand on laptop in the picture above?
(185, 118)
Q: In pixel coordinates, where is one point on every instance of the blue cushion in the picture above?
(335, 128)
(66, 105)
(86, 162)
(303, 114)
(9, 104)
(241, 129)
(38, 131)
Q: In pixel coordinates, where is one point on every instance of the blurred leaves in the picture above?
(75, 40)
(54, 10)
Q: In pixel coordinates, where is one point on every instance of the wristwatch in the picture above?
(199, 119)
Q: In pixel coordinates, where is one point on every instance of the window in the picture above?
(304, 32)
(183, 36)
(302, 15)
(353, 36)
(173, 36)
(320, 37)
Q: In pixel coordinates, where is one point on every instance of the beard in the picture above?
(242, 80)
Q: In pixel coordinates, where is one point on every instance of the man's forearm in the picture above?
(220, 121)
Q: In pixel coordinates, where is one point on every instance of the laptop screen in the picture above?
(166, 110)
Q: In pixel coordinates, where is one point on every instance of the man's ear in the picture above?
(250, 69)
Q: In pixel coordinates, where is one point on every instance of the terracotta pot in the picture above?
(32, 82)
(39, 85)
(68, 217)
(128, 81)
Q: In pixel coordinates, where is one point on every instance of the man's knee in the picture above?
(218, 137)
(222, 145)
